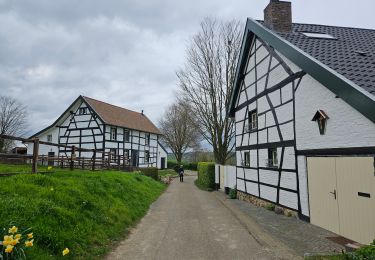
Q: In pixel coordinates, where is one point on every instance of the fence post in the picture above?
(93, 160)
(119, 161)
(109, 161)
(72, 157)
(35, 156)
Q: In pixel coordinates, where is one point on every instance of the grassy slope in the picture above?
(84, 211)
(168, 172)
(24, 168)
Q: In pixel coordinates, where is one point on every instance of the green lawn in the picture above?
(82, 210)
(14, 168)
(168, 172)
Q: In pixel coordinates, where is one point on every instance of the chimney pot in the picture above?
(278, 16)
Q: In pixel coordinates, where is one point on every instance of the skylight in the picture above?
(318, 35)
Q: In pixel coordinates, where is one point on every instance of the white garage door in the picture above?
(342, 195)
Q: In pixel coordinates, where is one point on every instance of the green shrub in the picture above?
(233, 193)
(270, 206)
(365, 252)
(150, 172)
(187, 166)
(206, 174)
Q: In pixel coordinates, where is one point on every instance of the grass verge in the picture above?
(82, 210)
(168, 172)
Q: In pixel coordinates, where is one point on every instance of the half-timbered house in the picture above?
(304, 109)
(110, 130)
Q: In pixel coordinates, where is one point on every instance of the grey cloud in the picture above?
(121, 52)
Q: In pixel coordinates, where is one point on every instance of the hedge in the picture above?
(187, 166)
(206, 175)
(150, 172)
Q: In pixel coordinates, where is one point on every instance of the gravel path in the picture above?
(187, 223)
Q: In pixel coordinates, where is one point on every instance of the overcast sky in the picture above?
(124, 52)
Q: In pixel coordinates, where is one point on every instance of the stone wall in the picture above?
(265, 204)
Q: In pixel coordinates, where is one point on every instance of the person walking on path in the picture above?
(181, 173)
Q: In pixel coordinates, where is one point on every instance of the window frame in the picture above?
(273, 160)
(253, 120)
(147, 138)
(147, 158)
(82, 111)
(113, 154)
(126, 135)
(49, 138)
(246, 161)
(113, 133)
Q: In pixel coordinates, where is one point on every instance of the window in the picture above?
(126, 135)
(147, 156)
(49, 138)
(113, 133)
(112, 154)
(82, 111)
(253, 120)
(147, 142)
(246, 161)
(318, 35)
(272, 157)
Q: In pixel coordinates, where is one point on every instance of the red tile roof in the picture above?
(118, 116)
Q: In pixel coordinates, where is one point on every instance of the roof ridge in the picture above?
(113, 105)
(335, 26)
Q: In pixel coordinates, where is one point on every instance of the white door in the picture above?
(342, 195)
(324, 211)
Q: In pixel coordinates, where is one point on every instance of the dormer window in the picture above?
(253, 120)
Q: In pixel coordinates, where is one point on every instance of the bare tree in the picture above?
(12, 120)
(207, 79)
(178, 131)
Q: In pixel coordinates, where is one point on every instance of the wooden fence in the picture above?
(72, 161)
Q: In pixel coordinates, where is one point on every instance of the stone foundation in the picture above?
(265, 204)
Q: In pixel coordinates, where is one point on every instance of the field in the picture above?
(82, 210)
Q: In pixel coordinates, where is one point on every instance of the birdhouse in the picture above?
(321, 118)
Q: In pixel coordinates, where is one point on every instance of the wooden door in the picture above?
(324, 210)
(134, 158)
(162, 166)
(356, 197)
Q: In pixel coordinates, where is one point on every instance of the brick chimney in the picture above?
(278, 16)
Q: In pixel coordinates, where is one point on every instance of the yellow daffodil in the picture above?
(13, 230)
(65, 251)
(18, 236)
(30, 235)
(9, 249)
(49, 168)
(29, 243)
(7, 240)
(15, 241)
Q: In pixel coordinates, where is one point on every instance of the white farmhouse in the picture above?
(304, 110)
(93, 124)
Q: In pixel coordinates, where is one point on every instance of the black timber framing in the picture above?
(338, 84)
(282, 144)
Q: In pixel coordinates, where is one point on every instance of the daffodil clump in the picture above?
(15, 242)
